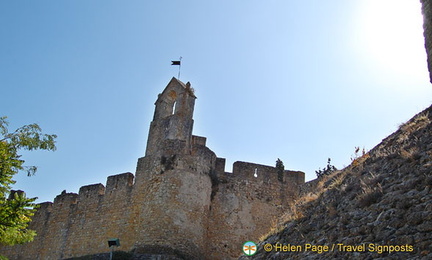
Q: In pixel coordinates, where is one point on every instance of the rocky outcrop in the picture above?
(378, 207)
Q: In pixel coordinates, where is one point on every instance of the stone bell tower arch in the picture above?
(172, 118)
(172, 191)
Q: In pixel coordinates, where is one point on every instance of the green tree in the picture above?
(327, 170)
(16, 209)
(280, 169)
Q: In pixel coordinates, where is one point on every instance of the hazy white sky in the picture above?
(296, 80)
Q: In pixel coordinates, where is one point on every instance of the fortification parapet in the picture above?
(253, 171)
(297, 177)
(180, 200)
(220, 166)
(246, 202)
(91, 191)
(266, 174)
(17, 192)
(201, 160)
(65, 199)
(41, 215)
(45, 206)
(199, 140)
(119, 181)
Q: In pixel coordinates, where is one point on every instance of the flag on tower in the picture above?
(178, 63)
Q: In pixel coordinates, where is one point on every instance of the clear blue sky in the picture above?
(296, 80)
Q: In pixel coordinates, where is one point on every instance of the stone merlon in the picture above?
(180, 200)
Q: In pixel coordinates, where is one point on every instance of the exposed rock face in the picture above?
(381, 203)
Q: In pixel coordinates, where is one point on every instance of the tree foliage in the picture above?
(280, 169)
(327, 170)
(16, 209)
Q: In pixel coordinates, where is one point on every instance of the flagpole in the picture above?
(177, 63)
(179, 69)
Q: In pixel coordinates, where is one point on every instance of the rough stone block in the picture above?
(119, 181)
(199, 140)
(65, 199)
(220, 166)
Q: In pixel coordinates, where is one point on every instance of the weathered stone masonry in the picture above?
(180, 200)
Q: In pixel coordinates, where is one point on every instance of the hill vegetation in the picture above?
(380, 206)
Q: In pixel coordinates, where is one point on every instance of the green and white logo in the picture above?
(249, 248)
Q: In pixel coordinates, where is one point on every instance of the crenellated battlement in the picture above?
(65, 199)
(256, 172)
(94, 193)
(124, 183)
(264, 173)
(90, 191)
(179, 200)
(120, 182)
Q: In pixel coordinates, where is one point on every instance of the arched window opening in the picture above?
(174, 107)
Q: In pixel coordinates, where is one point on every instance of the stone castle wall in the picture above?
(180, 201)
(174, 201)
(246, 204)
(80, 224)
(176, 209)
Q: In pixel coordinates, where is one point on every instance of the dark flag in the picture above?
(178, 63)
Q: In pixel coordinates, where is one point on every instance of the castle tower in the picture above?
(173, 185)
(181, 204)
(172, 120)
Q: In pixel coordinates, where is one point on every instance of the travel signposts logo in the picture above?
(249, 248)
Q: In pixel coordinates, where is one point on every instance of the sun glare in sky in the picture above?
(391, 31)
(297, 80)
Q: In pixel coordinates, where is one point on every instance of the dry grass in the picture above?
(336, 182)
(295, 211)
(363, 187)
(292, 214)
(418, 122)
(371, 191)
(327, 182)
(359, 157)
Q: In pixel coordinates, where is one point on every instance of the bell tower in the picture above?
(172, 121)
(173, 186)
